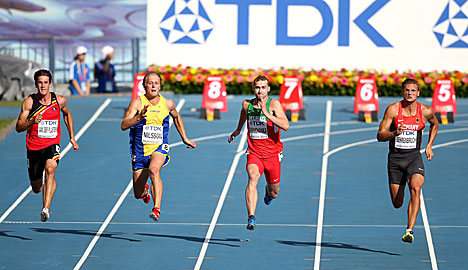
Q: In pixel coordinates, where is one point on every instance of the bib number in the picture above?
(152, 134)
(258, 127)
(47, 129)
(406, 140)
(109, 86)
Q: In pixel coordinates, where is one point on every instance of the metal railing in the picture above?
(58, 53)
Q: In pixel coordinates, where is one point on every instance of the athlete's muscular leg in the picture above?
(156, 162)
(139, 181)
(415, 184)
(273, 190)
(251, 195)
(397, 193)
(49, 185)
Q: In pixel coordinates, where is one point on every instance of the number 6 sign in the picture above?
(214, 94)
(443, 98)
(366, 97)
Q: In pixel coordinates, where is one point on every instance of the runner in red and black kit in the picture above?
(265, 119)
(40, 117)
(402, 126)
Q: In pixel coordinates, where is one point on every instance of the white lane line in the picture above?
(426, 223)
(222, 197)
(425, 219)
(199, 139)
(239, 224)
(64, 152)
(323, 183)
(115, 208)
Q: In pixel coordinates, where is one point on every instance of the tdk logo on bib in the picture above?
(187, 22)
(451, 30)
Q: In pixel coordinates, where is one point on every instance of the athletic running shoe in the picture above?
(154, 215)
(146, 198)
(251, 223)
(45, 215)
(267, 199)
(408, 237)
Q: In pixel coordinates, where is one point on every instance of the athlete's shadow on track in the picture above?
(4, 234)
(335, 245)
(213, 241)
(85, 232)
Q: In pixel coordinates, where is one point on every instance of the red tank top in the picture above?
(263, 136)
(410, 139)
(47, 132)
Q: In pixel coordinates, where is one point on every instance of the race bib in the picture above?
(84, 87)
(406, 140)
(152, 134)
(258, 127)
(109, 86)
(47, 129)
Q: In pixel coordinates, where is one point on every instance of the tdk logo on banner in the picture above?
(282, 38)
(186, 21)
(451, 30)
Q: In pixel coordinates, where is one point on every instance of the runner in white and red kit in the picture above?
(40, 117)
(265, 119)
(403, 125)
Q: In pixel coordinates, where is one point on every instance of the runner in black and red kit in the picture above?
(265, 118)
(40, 117)
(403, 125)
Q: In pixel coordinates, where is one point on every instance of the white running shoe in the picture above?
(45, 214)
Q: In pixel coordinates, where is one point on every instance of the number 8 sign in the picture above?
(443, 98)
(214, 94)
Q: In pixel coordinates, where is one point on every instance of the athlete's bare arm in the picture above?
(384, 134)
(179, 124)
(277, 115)
(132, 115)
(242, 119)
(68, 119)
(22, 124)
(428, 113)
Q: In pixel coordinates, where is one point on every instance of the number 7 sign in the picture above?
(291, 94)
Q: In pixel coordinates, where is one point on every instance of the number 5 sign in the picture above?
(214, 94)
(367, 98)
(443, 98)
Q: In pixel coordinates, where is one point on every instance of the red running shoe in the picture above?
(154, 215)
(147, 197)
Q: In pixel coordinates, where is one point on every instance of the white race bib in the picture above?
(406, 140)
(258, 127)
(47, 129)
(84, 87)
(152, 134)
(109, 86)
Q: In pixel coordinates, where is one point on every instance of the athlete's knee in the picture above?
(397, 203)
(154, 171)
(273, 192)
(36, 186)
(138, 194)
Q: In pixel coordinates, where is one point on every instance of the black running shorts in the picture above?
(401, 166)
(37, 160)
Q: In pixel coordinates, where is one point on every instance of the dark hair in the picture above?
(261, 78)
(42, 72)
(409, 81)
(151, 73)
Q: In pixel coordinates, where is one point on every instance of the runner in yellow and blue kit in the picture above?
(148, 119)
(150, 134)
